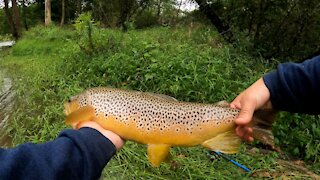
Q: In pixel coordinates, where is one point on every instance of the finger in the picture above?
(249, 134)
(79, 125)
(236, 101)
(74, 125)
(246, 113)
(90, 124)
(238, 105)
(235, 105)
(240, 131)
(249, 139)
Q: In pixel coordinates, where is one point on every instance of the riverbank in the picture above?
(6, 108)
(48, 69)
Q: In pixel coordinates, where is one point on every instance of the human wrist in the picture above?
(116, 140)
(263, 97)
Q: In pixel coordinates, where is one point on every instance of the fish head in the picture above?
(77, 109)
(71, 105)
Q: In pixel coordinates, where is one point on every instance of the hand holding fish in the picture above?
(255, 97)
(113, 137)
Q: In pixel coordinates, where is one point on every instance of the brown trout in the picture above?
(161, 121)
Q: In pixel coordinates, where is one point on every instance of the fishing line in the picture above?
(218, 154)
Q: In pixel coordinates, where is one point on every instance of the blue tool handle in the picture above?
(240, 165)
(232, 161)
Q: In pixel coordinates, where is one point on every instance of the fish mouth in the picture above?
(67, 109)
(70, 107)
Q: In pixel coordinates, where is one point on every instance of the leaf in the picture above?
(148, 76)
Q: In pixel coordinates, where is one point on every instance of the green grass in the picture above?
(51, 64)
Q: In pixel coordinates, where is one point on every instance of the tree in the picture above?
(9, 18)
(24, 14)
(13, 19)
(16, 16)
(47, 19)
(222, 27)
(126, 7)
(62, 12)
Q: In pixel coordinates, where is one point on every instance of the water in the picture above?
(6, 100)
(6, 44)
(6, 106)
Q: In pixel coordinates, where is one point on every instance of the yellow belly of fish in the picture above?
(170, 136)
(220, 138)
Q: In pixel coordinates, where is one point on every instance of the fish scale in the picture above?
(157, 120)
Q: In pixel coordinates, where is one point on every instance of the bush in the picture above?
(299, 135)
(42, 41)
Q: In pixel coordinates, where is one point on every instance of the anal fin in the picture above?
(86, 113)
(158, 153)
(227, 142)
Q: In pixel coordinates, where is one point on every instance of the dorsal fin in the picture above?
(222, 104)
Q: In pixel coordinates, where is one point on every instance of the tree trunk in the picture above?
(63, 12)
(179, 9)
(159, 11)
(9, 17)
(24, 15)
(221, 26)
(16, 17)
(11, 23)
(47, 20)
(125, 9)
(79, 10)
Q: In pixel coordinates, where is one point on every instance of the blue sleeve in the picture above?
(295, 87)
(75, 154)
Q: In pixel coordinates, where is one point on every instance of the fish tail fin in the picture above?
(262, 124)
(227, 142)
(86, 113)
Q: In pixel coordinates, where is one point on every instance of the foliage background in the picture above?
(287, 30)
(155, 47)
(164, 60)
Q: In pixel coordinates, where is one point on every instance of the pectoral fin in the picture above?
(86, 113)
(157, 153)
(227, 142)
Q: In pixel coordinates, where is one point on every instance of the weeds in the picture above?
(48, 69)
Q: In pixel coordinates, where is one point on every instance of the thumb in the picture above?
(245, 114)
